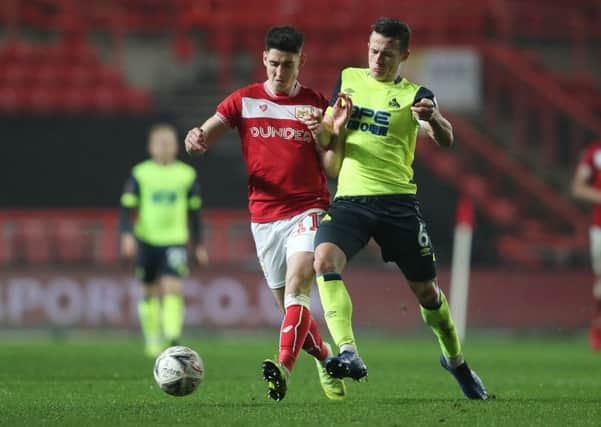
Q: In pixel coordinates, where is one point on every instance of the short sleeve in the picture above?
(322, 102)
(424, 93)
(586, 159)
(336, 91)
(131, 193)
(334, 97)
(194, 197)
(230, 109)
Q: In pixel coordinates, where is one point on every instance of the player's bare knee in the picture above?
(328, 259)
(152, 290)
(299, 276)
(427, 293)
(323, 265)
(429, 299)
(299, 283)
(171, 285)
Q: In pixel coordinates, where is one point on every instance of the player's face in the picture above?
(282, 69)
(384, 56)
(163, 146)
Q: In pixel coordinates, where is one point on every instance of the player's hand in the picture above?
(341, 112)
(128, 245)
(196, 142)
(424, 109)
(201, 255)
(313, 121)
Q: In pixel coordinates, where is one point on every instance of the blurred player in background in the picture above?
(287, 192)
(376, 198)
(166, 194)
(586, 186)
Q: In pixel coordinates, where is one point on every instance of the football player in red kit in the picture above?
(278, 122)
(587, 186)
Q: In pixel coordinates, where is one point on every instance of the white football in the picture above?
(179, 371)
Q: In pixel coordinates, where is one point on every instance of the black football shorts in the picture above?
(394, 221)
(156, 261)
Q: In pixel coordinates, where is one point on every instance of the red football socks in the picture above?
(314, 344)
(293, 334)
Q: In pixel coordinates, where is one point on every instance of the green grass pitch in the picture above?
(108, 382)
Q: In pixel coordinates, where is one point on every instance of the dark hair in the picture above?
(394, 29)
(285, 38)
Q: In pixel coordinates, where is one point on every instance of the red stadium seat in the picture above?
(475, 187)
(48, 76)
(14, 75)
(77, 100)
(105, 100)
(8, 99)
(24, 99)
(16, 51)
(108, 77)
(502, 210)
(77, 51)
(44, 100)
(58, 76)
(35, 241)
(70, 240)
(184, 48)
(79, 75)
(135, 101)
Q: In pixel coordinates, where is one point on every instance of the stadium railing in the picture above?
(546, 118)
(535, 226)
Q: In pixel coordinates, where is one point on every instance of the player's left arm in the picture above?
(329, 132)
(581, 187)
(426, 111)
(129, 202)
(331, 158)
(196, 224)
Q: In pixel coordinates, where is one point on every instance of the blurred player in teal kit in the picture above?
(166, 194)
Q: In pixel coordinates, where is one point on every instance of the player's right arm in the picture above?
(199, 139)
(581, 187)
(228, 115)
(129, 202)
(426, 112)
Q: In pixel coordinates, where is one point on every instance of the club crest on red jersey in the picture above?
(303, 111)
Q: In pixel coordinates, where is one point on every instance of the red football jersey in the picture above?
(592, 159)
(285, 176)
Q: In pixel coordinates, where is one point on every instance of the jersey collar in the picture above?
(295, 90)
(396, 81)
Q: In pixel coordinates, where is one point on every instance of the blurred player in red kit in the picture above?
(586, 186)
(286, 154)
